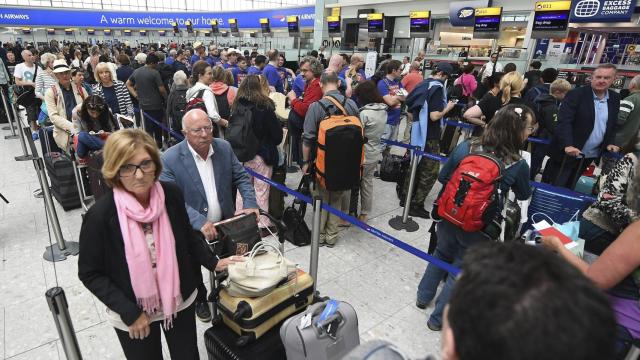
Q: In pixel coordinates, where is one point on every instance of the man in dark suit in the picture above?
(206, 170)
(586, 127)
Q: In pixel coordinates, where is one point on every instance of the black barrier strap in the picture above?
(419, 152)
(373, 231)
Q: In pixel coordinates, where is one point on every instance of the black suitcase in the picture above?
(220, 342)
(47, 143)
(63, 181)
(276, 197)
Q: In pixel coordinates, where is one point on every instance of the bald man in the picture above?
(25, 76)
(206, 170)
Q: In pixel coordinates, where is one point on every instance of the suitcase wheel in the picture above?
(245, 339)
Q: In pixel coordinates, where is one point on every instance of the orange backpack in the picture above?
(340, 153)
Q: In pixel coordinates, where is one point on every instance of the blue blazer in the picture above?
(576, 118)
(180, 167)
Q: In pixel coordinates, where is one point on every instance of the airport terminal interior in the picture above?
(515, 124)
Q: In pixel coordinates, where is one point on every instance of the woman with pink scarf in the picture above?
(137, 249)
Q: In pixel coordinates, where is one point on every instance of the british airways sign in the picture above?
(461, 13)
(148, 20)
(602, 10)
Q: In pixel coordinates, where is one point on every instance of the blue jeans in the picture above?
(452, 244)
(88, 142)
(596, 239)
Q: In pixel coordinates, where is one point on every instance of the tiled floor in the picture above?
(378, 279)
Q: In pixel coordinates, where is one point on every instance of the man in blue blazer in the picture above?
(206, 170)
(586, 127)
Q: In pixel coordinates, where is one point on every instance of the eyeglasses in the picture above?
(127, 170)
(206, 129)
(95, 107)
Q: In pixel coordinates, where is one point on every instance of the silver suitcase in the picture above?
(328, 340)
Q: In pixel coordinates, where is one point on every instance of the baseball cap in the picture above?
(445, 67)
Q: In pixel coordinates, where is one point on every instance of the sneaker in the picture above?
(433, 327)
(419, 211)
(420, 305)
(376, 174)
(38, 193)
(330, 243)
(202, 311)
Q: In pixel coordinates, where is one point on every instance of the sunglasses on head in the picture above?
(98, 107)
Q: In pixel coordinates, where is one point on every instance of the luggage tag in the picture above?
(329, 309)
(305, 321)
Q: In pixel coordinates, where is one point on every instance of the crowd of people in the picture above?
(89, 94)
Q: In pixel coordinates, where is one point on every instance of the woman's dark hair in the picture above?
(468, 69)
(104, 58)
(105, 119)
(503, 135)
(199, 68)
(76, 70)
(509, 68)
(494, 80)
(367, 93)
(251, 91)
(123, 59)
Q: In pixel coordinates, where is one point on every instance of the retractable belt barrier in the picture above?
(417, 150)
(373, 231)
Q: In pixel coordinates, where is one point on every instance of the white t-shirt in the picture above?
(205, 169)
(488, 69)
(25, 72)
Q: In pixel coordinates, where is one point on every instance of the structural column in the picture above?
(319, 23)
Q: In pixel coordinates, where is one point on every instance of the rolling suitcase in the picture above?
(560, 204)
(63, 180)
(376, 350)
(220, 342)
(328, 339)
(251, 318)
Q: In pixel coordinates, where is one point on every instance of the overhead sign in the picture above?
(333, 24)
(264, 26)
(91, 31)
(335, 11)
(51, 31)
(419, 23)
(214, 27)
(461, 13)
(233, 25)
(551, 19)
(602, 10)
(293, 24)
(375, 24)
(487, 21)
(14, 16)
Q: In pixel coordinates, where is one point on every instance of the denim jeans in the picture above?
(390, 133)
(596, 239)
(88, 142)
(452, 244)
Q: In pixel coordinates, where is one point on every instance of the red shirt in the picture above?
(411, 80)
(312, 93)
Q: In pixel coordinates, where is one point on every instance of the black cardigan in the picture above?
(102, 265)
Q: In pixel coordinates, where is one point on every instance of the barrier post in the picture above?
(142, 119)
(24, 132)
(404, 222)
(60, 310)
(290, 167)
(59, 251)
(12, 126)
(315, 241)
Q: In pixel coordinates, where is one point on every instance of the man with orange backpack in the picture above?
(332, 148)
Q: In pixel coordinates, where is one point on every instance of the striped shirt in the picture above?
(44, 81)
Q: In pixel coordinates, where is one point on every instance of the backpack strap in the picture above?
(200, 93)
(337, 103)
(325, 108)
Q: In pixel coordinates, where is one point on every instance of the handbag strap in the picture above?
(544, 216)
(263, 245)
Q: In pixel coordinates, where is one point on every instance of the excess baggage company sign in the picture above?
(602, 10)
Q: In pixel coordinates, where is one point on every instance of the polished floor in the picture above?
(378, 279)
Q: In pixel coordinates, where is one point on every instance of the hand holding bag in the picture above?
(237, 235)
(264, 269)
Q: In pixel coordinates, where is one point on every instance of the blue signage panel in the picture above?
(602, 10)
(461, 13)
(149, 20)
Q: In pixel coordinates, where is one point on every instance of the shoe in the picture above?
(344, 224)
(433, 327)
(362, 218)
(376, 174)
(401, 203)
(202, 311)
(419, 212)
(420, 305)
(330, 244)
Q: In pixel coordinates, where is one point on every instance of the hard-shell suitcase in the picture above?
(251, 318)
(63, 181)
(329, 339)
(560, 204)
(220, 342)
(376, 350)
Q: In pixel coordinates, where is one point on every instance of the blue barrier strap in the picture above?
(460, 124)
(419, 152)
(173, 133)
(373, 231)
(539, 141)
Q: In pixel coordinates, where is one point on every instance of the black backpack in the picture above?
(240, 135)
(180, 107)
(222, 102)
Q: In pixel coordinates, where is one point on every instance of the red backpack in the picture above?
(470, 199)
(197, 102)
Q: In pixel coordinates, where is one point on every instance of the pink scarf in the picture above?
(151, 291)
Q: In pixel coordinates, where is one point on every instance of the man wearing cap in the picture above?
(232, 59)
(432, 92)
(61, 99)
(200, 53)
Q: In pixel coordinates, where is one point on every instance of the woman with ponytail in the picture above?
(511, 86)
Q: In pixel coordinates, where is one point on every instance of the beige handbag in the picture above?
(264, 269)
